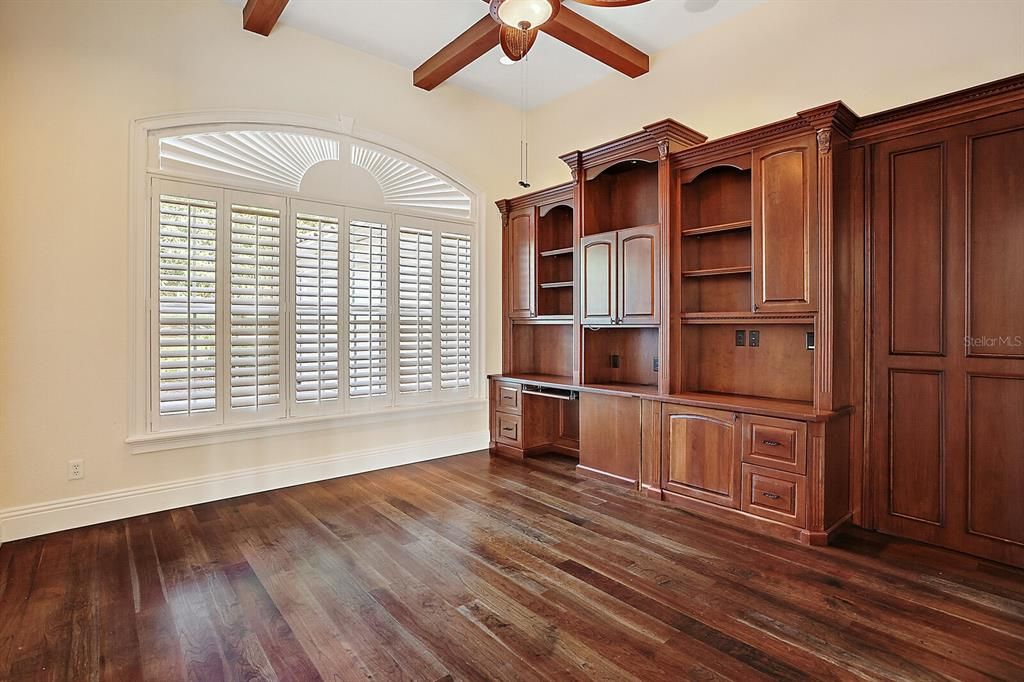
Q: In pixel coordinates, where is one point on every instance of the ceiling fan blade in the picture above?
(589, 38)
(450, 59)
(515, 42)
(610, 3)
(259, 16)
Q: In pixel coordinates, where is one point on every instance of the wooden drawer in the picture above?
(779, 444)
(775, 495)
(508, 398)
(508, 429)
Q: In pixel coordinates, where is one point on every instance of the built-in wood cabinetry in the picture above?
(785, 226)
(522, 264)
(700, 454)
(800, 326)
(620, 277)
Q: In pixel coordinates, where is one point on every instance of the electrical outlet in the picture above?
(613, 360)
(755, 338)
(741, 337)
(809, 340)
(655, 363)
(76, 469)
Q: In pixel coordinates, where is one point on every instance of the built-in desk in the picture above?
(778, 466)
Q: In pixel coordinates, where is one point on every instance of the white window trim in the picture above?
(141, 437)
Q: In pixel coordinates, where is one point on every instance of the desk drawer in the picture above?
(508, 397)
(775, 495)
(779, 444)
(508, 429)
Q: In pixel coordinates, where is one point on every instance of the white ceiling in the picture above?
(407, 32)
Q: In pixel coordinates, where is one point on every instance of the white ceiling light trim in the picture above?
(405, 184)
(273, 157)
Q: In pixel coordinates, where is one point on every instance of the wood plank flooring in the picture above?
(477, 568)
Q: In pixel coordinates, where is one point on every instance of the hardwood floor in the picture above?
(477, 568)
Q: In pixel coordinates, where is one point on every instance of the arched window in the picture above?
(293, 274)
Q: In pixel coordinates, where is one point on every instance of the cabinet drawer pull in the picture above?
(770, 496)
(771, 443)
(508, 429)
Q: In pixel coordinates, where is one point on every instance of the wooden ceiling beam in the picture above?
(468, 47)
(589, 38)
(260, 16)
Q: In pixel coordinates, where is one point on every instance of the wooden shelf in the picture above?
(712, 229)
(555, 285)
(544, 319)
(745, 317)
(567, 251)
(712, 272)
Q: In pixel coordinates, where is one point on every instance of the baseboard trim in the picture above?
(74, 512)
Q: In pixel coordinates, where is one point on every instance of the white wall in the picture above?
(784, 56)
(73, 75)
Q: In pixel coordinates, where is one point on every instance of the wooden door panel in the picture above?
(948, 378)
(916, 467)
(598, 279)
(700, 454)
(916, 239)
(610, 436)
(995, 241)
(785, 226)
(522, 264)
(995, 457)
(638, 275)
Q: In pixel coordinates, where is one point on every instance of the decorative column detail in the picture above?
(825, 141)
(663, 149)
(824, 325)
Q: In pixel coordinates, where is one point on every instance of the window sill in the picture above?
(187, 438)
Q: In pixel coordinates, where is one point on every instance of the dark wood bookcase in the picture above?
(691, 318)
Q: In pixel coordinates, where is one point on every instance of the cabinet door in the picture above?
(785, 226)
(700, 454)
(598, 272)
(638, 275)
(610, 436)
(521, 245)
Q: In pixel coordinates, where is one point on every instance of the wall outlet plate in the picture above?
(76, 469)
(741, 337)
(809, 340)
(613, 361)
(755, 338)
(655, 363)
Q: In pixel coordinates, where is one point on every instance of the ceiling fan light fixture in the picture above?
(523, 14)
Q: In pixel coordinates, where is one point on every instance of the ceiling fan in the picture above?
(514, 24)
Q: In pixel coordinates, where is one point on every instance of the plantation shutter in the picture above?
(186, 310)
(368, 308)
(317, 311)
(456, 310)
(415, 310)
(255, 276)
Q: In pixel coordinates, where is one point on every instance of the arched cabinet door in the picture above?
(700, 454)
(598, 273)
(785, 226)
(638, 275)
(521, 254)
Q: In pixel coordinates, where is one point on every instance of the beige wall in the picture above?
(73, 75)
(787, 55)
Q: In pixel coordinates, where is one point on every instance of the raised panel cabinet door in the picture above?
(638, 275)
(598, 273)
(521, 245)
(785, 226)
(947, 451)
(700, 454)
(610, 436)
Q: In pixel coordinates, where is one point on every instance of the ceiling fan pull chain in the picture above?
(524, 145)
